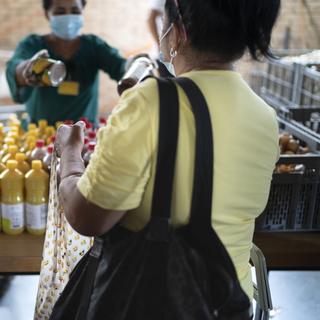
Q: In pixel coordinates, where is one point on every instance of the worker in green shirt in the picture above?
(83, 55)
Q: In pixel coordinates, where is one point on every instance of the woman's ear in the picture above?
(177, 38)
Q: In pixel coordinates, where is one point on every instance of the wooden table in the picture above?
(283, 250)
(22, 254)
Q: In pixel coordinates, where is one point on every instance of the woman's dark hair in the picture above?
(226, 28)
(46, 4)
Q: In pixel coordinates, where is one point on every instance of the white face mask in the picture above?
(168, 65)
(66, 26)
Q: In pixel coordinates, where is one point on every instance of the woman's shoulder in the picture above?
(149, 86)
(140, 101)
(146, 91)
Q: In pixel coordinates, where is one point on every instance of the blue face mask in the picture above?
(66, 26)
(168, 65)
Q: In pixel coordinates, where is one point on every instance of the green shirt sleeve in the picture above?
(109, 59)
(25, 50)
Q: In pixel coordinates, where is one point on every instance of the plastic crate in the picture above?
(291, 85)
(294, 200)
(279, 82)
(301, 132)
(310, 88)
(316, 220)
(257, 79)
(309, 118)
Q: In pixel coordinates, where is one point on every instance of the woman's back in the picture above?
(246, 149)
(117, 185)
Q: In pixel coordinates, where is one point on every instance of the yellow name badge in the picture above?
(69, 88)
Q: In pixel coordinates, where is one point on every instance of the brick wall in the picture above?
(298, 27)
(120, 22)
(123, 24)
(302, 19)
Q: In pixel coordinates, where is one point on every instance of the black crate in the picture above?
(307, 119)
(316, 219)
(294, 200)
(303, 114)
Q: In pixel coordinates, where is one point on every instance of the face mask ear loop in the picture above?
(166, 33)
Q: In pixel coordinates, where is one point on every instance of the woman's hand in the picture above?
(70, 138)
(24, 72)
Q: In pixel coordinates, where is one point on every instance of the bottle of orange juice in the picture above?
(14, 135)
(31, 147)
(26, 144)
(1, 133)
(33, 133)
(37, 192)
(17, 128)
(12, 185)
(31, 127)
(58, 124)
(50, 132)
(2, 167)
(11, 155)
(23, 165)
(7, 142)
(12, 119)
(42, 124)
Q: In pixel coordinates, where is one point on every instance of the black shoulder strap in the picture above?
(201, 206)
(167, 149)
(163, 187)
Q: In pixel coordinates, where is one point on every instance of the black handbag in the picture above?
(161, 272)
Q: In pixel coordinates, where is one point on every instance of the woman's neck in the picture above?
(213, 66)
(185, 64)
(61, 47)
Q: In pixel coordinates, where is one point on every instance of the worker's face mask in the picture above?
(168, 65)
(66, 26)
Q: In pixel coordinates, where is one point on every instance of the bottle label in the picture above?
(14, 214)
(36, 216)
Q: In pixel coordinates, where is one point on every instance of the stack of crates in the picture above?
(294, 91)
(278, 84)
(294, 200)
(294, 203)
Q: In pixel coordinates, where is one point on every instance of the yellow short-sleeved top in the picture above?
(121, 173)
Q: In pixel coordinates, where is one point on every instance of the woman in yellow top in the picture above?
(202, 40)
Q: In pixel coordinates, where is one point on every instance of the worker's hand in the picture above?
(27, 74)
(70, 138)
